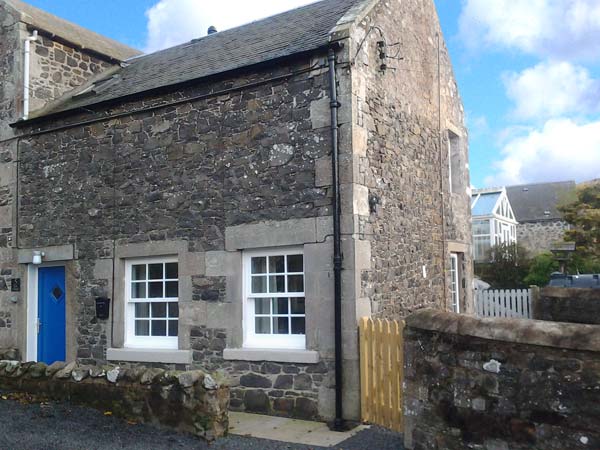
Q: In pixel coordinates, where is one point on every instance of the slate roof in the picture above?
(535, 202)
(297, 31)
(79, 36)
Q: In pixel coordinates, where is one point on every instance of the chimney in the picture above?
(211, 30)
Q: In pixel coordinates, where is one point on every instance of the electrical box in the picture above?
(102, 308)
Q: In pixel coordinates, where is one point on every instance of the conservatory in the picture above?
(493, 221)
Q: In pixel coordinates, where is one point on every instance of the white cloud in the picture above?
(553, 89)
(561, 29)
(561, 150)
(172, 22)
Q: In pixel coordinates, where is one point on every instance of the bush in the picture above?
(540, 269)
(507, 268)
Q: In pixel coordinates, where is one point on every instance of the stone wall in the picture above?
(538, 237)
(404, 160)
(54, 69)
(179, 181)
(191, 402)
(57, 68)
(568, 305)
(499, 384)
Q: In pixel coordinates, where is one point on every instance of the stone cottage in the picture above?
(205, 192)
(535, 207)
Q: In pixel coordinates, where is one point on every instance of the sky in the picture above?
(528, 71)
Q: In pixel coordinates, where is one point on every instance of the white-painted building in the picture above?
(493, 221)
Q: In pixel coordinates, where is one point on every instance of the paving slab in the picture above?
(288, 430)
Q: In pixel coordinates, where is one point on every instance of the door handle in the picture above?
(39, 325)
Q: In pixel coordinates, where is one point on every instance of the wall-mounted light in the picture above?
(37, 257)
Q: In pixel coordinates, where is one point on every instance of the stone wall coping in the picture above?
(522, 331)
(149, 355)
(285, 356)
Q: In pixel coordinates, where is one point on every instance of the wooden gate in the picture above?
(381, 369)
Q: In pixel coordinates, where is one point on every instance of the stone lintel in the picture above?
(274, 234)
(522, 331)
(56, 253)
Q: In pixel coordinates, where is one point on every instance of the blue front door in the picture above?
(51, 314)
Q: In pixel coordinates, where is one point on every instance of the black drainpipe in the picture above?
(338, 424)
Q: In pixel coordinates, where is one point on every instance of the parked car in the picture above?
(558, 279)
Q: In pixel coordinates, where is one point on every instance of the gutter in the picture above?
(338, 424)
(26, 63)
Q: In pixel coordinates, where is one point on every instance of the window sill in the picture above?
(275, 355)
(149, 355)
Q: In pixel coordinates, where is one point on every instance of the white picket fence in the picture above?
(503, 303)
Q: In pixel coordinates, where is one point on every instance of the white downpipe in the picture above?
(28, 41)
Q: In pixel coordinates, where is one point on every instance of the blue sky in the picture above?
(528, 71)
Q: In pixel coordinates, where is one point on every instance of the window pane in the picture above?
(155, 271)
(138, 272)
(259, 284)
(155, 289)
(138, 290)
(280, 306)
(173, 327)
(277, 283)
(142, 310)
(261, 306)
(295, 263)
(172, 270)
(262, 325)
(276, 264)
(295, 283)
(142, 328)
(298, 306)
(159, 310)
(172, 289)
(298, 325)
(173, 309)
(259, 264)
(159, 328)
(280, 325)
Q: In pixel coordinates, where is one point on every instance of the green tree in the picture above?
(583, 214)
(507, 269)
(540, 269)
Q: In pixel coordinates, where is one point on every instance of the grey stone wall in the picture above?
(500, 384)
(401, 151)
(175, 180)
(538, 237)
(192, 402)
(54, 69)
(573, 305)
(57, 68)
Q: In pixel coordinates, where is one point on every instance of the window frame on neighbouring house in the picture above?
(171, 319)
(252, 339)
(454, 282)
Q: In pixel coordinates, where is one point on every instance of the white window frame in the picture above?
(454, 286)
(269, 341)
(153, 342)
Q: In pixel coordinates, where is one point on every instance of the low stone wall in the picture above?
(572, 305)
(191, 402)
(500, 384)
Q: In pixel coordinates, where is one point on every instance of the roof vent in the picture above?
(525, 189)
(546, 213)
(211, 30)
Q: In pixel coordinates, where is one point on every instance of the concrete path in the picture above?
(287, 430)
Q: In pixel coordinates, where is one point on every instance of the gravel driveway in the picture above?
(26, 425)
